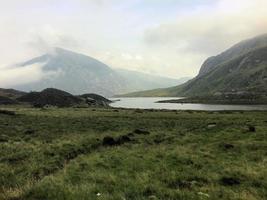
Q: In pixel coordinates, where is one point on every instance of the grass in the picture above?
(58, 154)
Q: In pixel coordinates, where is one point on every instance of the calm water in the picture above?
(150, 103)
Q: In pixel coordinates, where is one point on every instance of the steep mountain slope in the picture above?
(233, 52)
(78, 74)
(246, 73)
(240, 70)
(75, 73)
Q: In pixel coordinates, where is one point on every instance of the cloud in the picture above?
(44, 39)
(211, 30)
(170, 38)
(10, 77)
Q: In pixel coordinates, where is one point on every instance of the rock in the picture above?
(184, 184)
(29, 132)
(96, 98)
(109, 141)
(7, 112)
(203, 194)
(158, 141)
(90, 101)
(227, 146)
(212, 125)
(130, 134)
(123, 139)
(138, 111)
(141, 132)
(229, 181)
(3, 138)
(152, 197)
(251, 129)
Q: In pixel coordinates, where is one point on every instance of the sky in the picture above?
(164, 37)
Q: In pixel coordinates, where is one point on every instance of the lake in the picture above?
(150, 103)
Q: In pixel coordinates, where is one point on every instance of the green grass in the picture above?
(58, 154)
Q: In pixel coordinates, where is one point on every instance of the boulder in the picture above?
(109, 141)
(141, 132)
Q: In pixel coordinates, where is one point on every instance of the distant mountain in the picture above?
(242, 69)
(77, 74)
(11, 93)
(139, 81)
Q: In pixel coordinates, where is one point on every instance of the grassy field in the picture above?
(48, 154)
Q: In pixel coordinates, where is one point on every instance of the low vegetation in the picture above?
(230, 99)
(94, 153)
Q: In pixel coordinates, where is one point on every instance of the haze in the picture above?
(170, 38)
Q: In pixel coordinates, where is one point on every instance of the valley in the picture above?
(77, 73)
(133, 100)
(237, 75)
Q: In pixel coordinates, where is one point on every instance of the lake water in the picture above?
(150, 103)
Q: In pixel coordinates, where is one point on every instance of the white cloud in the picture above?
(187, 41)
(212, 30)
(45, 38)
(10, 77)
(133, 34)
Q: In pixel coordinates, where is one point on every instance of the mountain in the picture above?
(77, 74)
(237, 50)
(240, 70)
(11, 93)
(138, 80)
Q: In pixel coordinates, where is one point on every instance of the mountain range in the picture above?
(242, 69)
(77, 74)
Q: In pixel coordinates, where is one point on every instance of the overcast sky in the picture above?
(165, 37)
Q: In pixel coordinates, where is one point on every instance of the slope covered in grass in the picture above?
(242, 69)
(59, 154)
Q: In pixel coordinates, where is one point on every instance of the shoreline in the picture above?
(216, 102)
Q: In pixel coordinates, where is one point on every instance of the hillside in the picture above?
(6, 101)
(237, 50)
(137, 80)
(240, 70)
(11, 93)
(78, 74)
(75, 73)
(50, 96)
